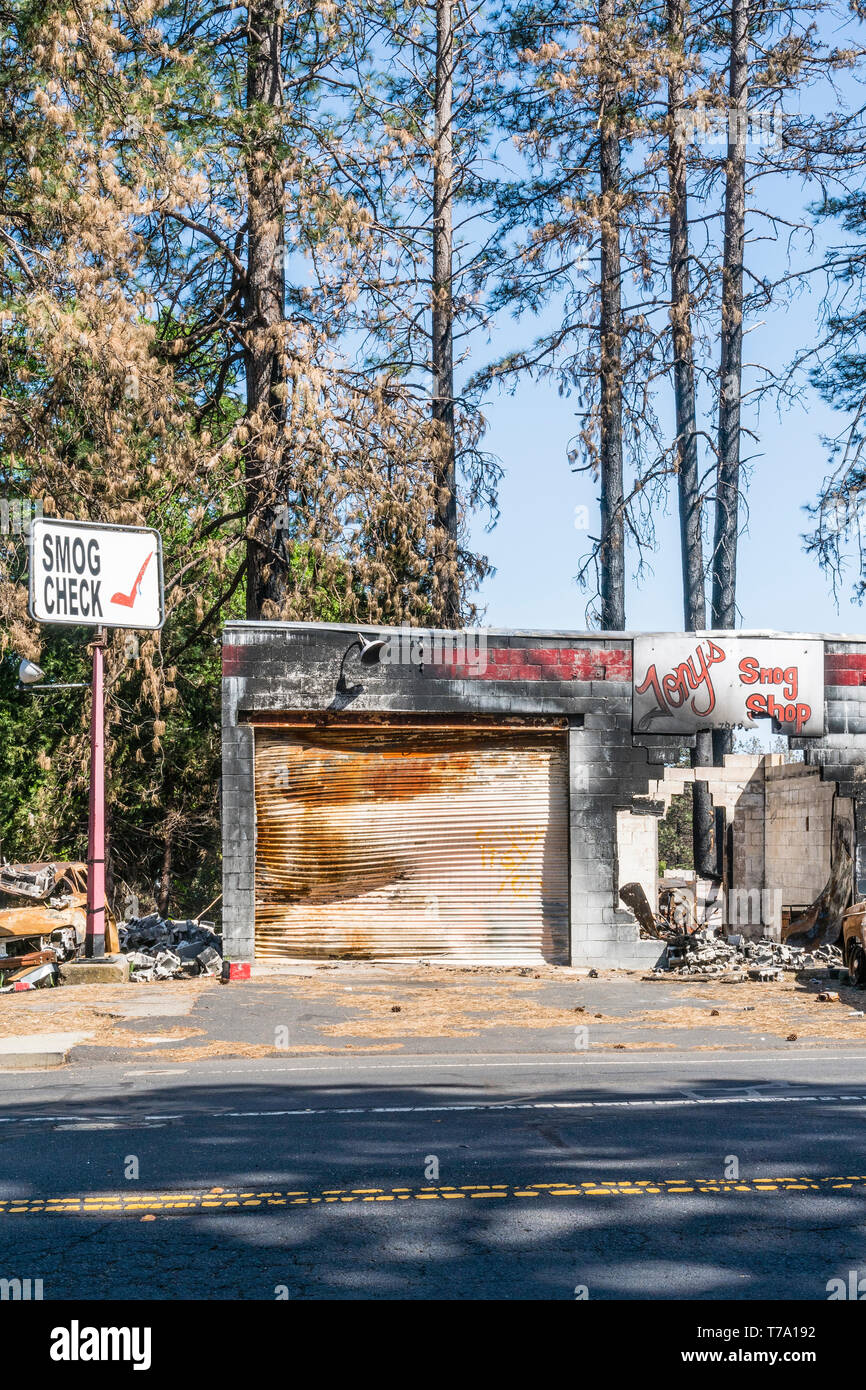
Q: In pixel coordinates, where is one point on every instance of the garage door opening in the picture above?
(412, 842)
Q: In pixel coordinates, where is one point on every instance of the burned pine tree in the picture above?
(424, 109)
(581, 76)
(442, 311)
(612, 539)
(727, 527)
(689, 494)
(265, 307)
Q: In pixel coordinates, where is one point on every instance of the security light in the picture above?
(371, 648)
(29, 673)
(30, 678)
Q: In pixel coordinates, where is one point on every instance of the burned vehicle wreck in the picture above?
(42, 913)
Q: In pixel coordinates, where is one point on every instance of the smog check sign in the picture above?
(686, 682)
(86, 574)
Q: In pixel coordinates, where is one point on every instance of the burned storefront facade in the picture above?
(483, 797)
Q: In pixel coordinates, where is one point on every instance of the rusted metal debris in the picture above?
(854, 941)
(41, 880)
(636, 901)
(49, 928)
(673, 919)
(676, 911)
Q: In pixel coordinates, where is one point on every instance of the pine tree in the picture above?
(573, 233)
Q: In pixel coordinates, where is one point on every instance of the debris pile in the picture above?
(705, 953)
(44, 929)
(160, 948)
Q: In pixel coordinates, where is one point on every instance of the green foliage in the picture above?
(675, 835)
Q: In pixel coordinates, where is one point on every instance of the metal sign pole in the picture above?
(95, 938)
(93, 574)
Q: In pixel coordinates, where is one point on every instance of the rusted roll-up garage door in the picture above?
(395, 844)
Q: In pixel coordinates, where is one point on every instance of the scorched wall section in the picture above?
(506, 691)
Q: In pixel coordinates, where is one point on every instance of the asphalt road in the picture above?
(472, 1177)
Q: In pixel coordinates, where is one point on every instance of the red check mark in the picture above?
(127, 600)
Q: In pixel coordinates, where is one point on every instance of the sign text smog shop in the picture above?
(687, 682)
(88, 574)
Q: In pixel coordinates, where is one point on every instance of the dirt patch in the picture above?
(778, 1008)
(440, 1003)
(94, 1009)
(428, 1010)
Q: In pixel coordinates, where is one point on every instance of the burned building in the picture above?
(482, 796)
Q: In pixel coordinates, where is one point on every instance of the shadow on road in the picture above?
(195, 1137)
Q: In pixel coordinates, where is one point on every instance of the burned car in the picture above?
(50, 922)
(854, 942)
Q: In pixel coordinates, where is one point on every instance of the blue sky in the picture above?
(536, 549)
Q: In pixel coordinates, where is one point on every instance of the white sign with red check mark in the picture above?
(88, 574)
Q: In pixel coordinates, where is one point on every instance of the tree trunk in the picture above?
(731, 363)
(163, 901)
(694, 602)
(691, 539)
(265, 308)
(612, 547)
(442, 347)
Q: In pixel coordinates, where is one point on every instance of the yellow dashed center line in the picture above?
(139, 1204)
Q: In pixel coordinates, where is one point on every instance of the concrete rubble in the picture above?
(160, 948)
(706, 953)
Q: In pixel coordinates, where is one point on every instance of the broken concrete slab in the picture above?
(710, 953)
(165, 948)
(36, 1051)
(168, 1005)
(166, 965)
(210, 961)
(104, 970)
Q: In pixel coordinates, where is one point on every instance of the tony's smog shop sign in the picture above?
(683, 683)
(87, 574)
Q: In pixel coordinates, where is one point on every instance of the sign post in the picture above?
(94, 944)
(89, 574)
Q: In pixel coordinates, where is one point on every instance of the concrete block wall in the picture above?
(797, 827)
(605, 772)
(637, 839)
(768, 803)
(841, 753)
(238, 830)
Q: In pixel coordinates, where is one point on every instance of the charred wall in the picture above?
(282, 672)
